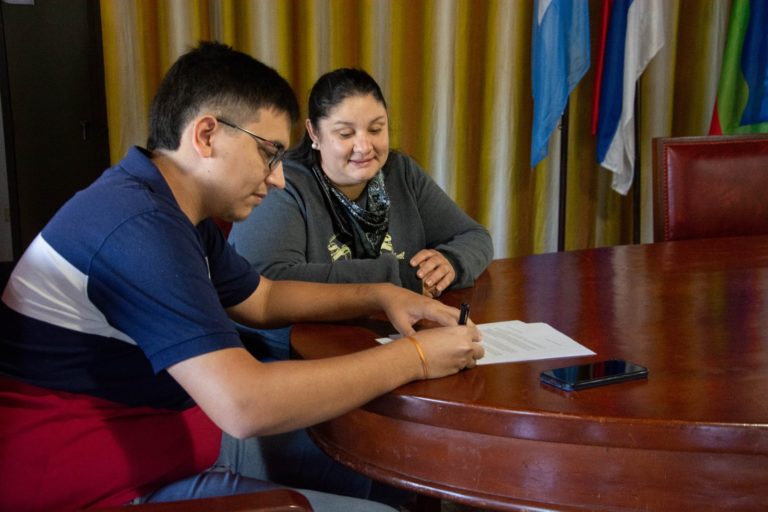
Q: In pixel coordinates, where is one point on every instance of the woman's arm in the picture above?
(464, 242)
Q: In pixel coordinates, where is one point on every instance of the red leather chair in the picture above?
(277, 500)
(224, 226)
(710, 186)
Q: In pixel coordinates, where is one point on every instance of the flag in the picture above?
(633, 33)
(559, 59)
(742, 92)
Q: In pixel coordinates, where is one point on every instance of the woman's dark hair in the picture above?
(328, 92)
(215, 76)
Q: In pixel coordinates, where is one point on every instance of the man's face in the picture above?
(243, 175)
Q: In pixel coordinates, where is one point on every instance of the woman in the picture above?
(354, 211)
(351, 211)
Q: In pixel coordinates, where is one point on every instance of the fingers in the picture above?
(440, 284)
(402, 325)
(451, 349)
(421, 256)
(443, 314)
(476, 353)
(434, 270)
(407, 308)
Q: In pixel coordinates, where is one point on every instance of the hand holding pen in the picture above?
(463, 318)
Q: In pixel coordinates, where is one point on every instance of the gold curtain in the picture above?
(456, 74)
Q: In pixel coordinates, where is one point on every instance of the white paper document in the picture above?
(513, 341)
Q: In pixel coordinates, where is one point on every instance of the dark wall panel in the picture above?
(57, 109)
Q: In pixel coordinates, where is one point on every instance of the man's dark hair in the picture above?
(213, 75)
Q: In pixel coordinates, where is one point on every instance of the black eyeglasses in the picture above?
(279, 149)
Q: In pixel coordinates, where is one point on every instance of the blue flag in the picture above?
(613, 77)
(560, 58)
(633, 36)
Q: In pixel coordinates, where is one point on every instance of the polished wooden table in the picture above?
(694, 436)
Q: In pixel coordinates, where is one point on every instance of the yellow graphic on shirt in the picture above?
(340, 251)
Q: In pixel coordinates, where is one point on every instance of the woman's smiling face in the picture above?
(353, 141)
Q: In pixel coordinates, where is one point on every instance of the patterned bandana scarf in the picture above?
(361, 229)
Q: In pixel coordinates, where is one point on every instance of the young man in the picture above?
(119, 362)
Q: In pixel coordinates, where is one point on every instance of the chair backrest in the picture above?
(274, 500)
(710, 186)
(224, 226)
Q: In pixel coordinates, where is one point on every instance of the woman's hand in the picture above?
(434, 270)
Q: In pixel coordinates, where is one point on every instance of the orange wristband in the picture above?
(424, 365)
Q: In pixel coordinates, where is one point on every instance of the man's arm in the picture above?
(276, 303)
(246, 397)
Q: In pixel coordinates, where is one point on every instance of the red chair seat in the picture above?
(277, 500)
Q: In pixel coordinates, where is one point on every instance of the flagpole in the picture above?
(563, 187)
(636, 192)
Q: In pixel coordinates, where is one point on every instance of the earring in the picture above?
(314, 145)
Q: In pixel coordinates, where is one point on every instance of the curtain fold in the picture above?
(456, 75)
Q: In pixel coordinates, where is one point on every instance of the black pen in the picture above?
(464, 315)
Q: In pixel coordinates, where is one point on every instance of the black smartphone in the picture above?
(581, 376)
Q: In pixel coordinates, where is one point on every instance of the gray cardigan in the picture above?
(290, 235)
